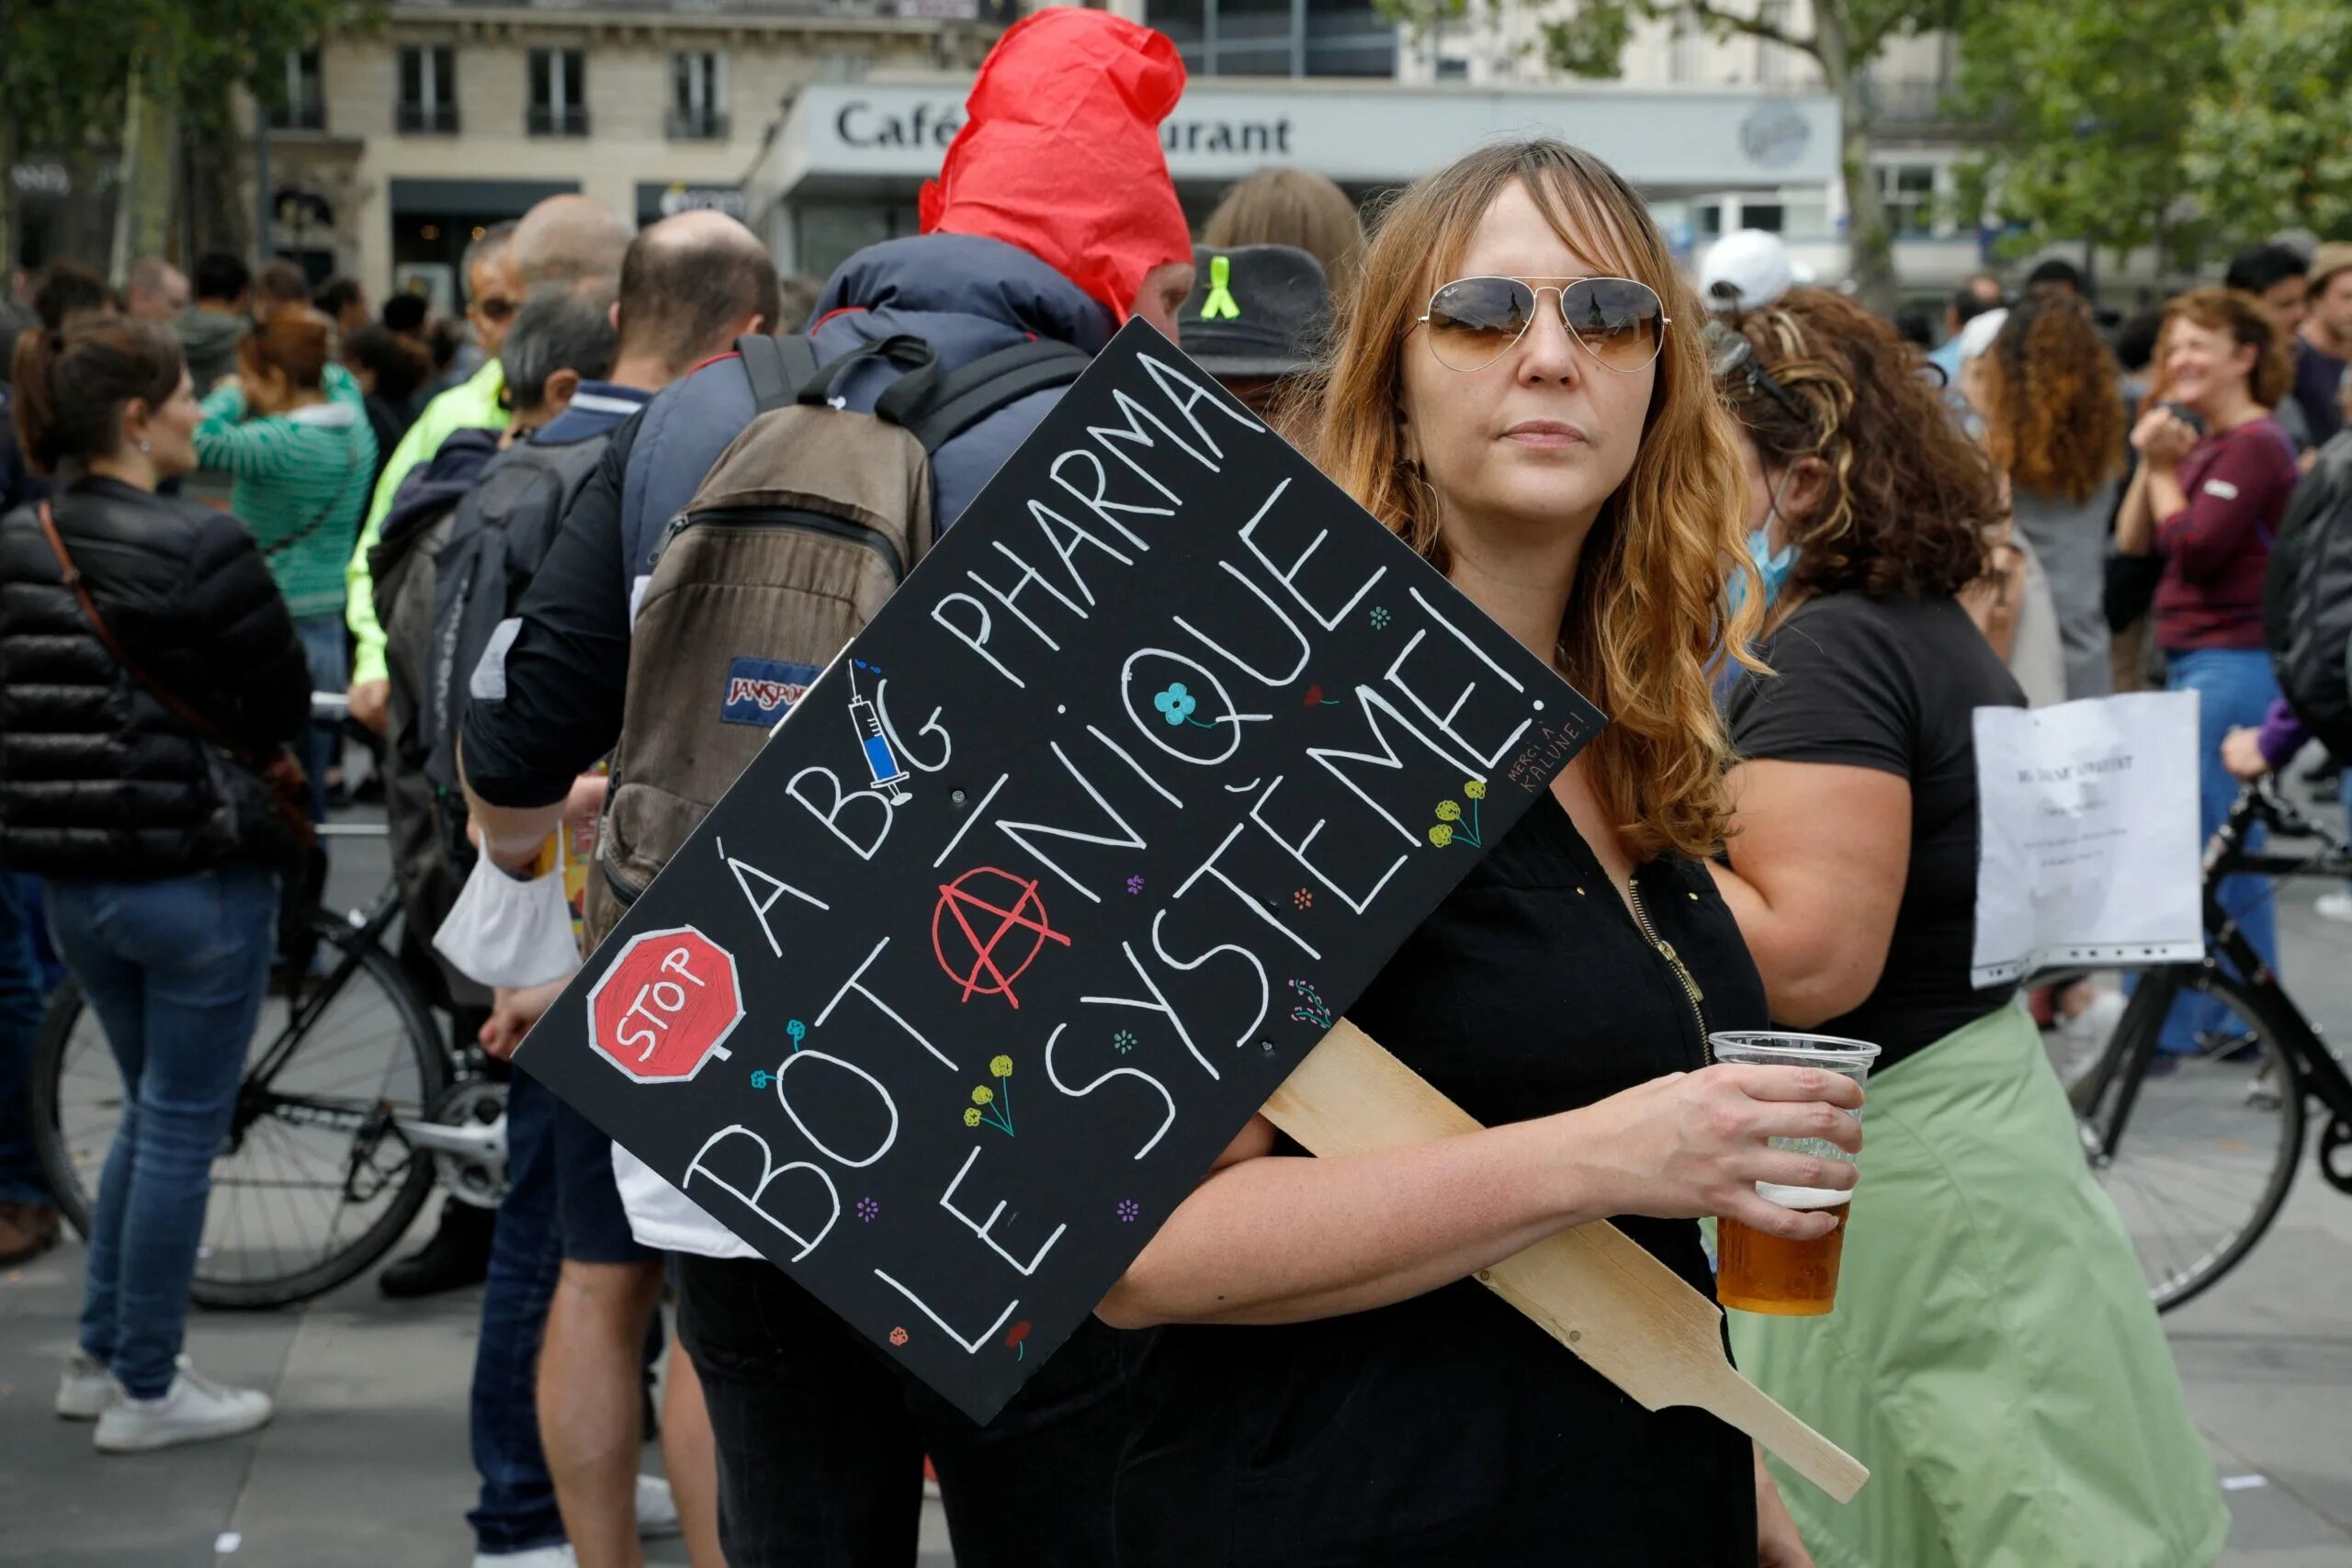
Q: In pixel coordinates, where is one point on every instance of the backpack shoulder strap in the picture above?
(778, 366)
(992, 382)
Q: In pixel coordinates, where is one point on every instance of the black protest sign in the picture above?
(1041, 888)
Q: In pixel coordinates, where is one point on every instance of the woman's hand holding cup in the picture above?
(1693, 1144)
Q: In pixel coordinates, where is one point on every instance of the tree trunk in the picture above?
(142, 214)
(1868, 239)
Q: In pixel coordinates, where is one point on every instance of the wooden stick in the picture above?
(1593, 1288)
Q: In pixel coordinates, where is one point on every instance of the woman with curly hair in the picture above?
(1519, 391)
(1994, 1356)
(2053, 422)
(2216, 473)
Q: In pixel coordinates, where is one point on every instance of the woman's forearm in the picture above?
(2136, 524)
(2165, 496)
(1284, 1240)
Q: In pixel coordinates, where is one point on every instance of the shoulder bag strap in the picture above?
(186, 711)
(995, 381)
(778, 367)
(270, 552)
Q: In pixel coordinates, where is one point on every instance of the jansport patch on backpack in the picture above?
(762, 691)
(803, 527)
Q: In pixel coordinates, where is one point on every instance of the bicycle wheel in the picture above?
(311, 1184)
(2209, 1145)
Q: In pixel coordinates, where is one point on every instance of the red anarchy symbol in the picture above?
(1017, 909)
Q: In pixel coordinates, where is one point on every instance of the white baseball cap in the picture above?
(1747, 268)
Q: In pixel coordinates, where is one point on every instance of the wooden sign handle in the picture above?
(1592, 1287)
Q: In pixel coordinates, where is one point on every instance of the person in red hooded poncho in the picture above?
(1059, 155)
(1053, 219)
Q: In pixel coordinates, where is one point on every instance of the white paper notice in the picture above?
(2091, 854)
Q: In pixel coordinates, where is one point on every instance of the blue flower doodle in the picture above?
(1175, 704)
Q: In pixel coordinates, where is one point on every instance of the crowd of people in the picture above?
(1789, 549)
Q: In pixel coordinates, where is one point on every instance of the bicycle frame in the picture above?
(256, 1097)
(2316, 1070)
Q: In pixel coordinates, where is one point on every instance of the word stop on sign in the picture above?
(666, 1006)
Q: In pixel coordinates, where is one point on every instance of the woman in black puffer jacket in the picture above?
(159, 892)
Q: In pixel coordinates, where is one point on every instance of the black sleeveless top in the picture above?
(1449, 1429)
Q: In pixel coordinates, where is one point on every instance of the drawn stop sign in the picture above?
(666, 1006)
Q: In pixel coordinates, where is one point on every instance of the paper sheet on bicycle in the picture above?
(2091, 854)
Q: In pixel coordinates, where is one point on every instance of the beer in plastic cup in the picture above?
(1762, 1273)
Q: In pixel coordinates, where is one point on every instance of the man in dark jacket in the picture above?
(810, 1427)
(689, 285)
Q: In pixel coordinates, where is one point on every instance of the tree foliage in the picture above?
(2269, 143)
(1588, 37)
(65, 72)
(2089, 103)
(69, 70)
(2187, 125)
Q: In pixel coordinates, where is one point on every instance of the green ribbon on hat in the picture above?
(1220, 305)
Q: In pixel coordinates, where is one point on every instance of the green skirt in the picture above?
(1994, 1357)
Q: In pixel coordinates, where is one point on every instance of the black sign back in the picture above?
(1044, 885)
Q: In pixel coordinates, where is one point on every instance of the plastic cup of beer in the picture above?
(1756, 1272)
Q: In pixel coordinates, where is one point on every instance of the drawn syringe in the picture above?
(880, 760)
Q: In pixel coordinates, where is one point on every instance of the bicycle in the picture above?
(2216, 1134)
(350, 1110)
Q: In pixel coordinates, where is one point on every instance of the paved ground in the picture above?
(367, 1465)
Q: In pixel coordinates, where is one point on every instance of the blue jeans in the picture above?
(175, 969)
(2235, 689)
(517, 1507)
(21, 1001)
(321, 744)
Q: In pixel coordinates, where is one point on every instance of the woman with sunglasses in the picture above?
(1511, 395)
(1993, 1355)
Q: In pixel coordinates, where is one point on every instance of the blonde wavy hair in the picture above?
(1645, 621)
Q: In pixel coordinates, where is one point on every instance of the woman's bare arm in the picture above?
(1268, 1238)
(1816, 875)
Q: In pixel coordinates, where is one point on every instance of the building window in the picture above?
(1909, 192)
(1768, 216)
(429, 89)
(558, 93)
(1278, 38)
(306, 105)
(1772, 59)
(1453, 68)
(698, 96)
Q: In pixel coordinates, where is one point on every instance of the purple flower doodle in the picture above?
(1128, 1210)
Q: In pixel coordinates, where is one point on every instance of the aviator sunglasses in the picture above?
(1474, 321)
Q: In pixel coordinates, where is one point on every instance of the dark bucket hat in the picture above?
(1255, 311)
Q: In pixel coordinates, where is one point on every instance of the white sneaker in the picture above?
(85, 1389)
(657, 1509)
(2335, 905)
(559, 1556)
(195, 1409)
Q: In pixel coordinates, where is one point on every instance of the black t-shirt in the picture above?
(1893, 684)
(1449, 1429)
